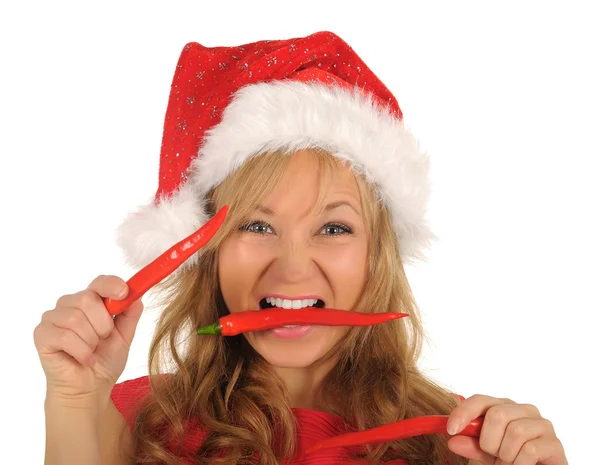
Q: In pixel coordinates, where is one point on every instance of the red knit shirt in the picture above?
(312, 426)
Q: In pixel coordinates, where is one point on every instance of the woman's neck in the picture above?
(303, 385)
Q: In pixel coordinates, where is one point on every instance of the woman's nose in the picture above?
(294, 262)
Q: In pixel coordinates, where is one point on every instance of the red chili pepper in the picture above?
(256, 320)
(428, 424)
(166, 263)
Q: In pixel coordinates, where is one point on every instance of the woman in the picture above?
(327, 193)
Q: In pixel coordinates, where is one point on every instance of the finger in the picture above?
(73, 319)
(519, 432)
(51, 339)
(468, 447)
(109, 286)
(470, 409)
(91, 304)
(497, 423)
(541, 450)
(106, 286)
(126, 322)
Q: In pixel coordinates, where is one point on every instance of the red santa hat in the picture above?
(228, 104)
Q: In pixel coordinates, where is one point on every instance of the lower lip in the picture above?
(290, 333)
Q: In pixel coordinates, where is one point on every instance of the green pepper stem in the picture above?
(214, 329)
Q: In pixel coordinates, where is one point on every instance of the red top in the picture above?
(312, 426)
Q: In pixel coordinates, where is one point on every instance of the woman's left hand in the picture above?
(511, 433)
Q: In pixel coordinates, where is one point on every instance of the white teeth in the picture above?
(289, 304)
(290, 326)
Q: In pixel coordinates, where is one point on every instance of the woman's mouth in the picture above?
(290, 331)
(291, 304)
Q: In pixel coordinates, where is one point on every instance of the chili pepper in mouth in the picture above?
(427, 424)
(257, 320)
(165, 264)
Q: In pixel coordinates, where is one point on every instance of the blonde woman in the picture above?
(327, 193)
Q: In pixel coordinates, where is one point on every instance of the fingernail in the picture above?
(453, 426)
(122, 291)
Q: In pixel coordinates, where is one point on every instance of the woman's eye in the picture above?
(335, 229)
(260, 227)
(257, 227)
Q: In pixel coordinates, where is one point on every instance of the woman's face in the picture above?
(287, 256)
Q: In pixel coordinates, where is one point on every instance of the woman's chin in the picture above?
(290, 359)
(291, 347)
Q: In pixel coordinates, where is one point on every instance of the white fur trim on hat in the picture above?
(153, 229)
(292, 116)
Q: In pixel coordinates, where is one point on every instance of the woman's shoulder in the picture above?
(136, 384)
(126, 395)
(125, 392)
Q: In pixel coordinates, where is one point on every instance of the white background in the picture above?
(504, 98)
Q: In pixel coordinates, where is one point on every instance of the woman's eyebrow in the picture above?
(340, 203)
(265, 210)
(328, 207)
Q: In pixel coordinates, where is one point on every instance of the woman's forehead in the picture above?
(312, 163)
(304, 177)
(311, 203)
(295, 185)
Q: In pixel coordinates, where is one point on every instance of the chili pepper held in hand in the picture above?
(256, 320)
(165, 264)
(428, 424)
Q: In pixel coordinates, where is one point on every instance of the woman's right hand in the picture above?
(83, 349)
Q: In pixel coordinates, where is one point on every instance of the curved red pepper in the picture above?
(166, 263)
(257, 320)
(428, 424)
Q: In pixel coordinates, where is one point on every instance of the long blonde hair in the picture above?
(234, 392)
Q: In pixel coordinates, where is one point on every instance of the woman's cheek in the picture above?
(241, 261)
(346, 268)
(345, 259)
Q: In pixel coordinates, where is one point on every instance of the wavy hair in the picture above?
(226, 386)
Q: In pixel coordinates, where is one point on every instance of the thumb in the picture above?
(126, 322)
(468, 447)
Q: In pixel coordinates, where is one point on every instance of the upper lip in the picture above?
(282, 297)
